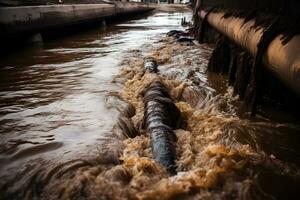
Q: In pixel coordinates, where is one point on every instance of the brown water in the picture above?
(67, 108)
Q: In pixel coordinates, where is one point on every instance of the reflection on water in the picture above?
(68, 107)
(52, 106)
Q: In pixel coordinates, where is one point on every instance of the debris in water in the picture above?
(150, 64)
(185, 40)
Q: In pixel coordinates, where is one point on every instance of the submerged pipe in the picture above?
(161, 116)
(282, 59)
(150, 65)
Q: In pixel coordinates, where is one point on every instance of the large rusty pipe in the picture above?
(282, 59)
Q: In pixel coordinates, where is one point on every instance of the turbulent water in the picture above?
(71, 122)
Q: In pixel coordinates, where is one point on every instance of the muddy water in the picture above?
(71, 123)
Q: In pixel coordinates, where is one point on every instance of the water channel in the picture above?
(60, 104)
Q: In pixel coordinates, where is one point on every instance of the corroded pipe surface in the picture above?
(160, 118)
(282, 59)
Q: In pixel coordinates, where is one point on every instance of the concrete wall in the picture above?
(45, 2)
(15, 21)
(131, 7)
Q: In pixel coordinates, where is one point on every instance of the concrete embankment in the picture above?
(29, 20)
(172, 7)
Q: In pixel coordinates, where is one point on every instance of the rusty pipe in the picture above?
(282, 59)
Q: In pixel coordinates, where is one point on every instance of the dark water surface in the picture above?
(59, 107)
(54, 94)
